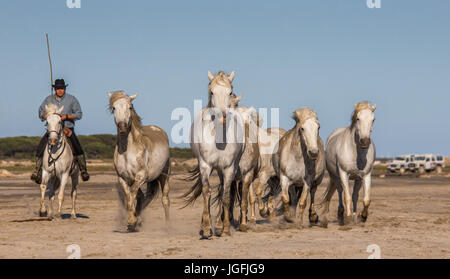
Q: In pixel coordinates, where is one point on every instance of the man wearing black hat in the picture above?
(71, 113)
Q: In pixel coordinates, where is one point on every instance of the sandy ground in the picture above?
(409, 218)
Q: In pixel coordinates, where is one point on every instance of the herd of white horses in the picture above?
(249, 161)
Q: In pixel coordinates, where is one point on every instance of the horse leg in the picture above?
(302, 203)
(132, 216)
(252, 200)
(45, 178)
(74, 194)
(246, 182)
(355, 196)
(218, 230)
(313, 217)
(205, 231)
(340, 207)
(164, 182)
(367, 181)
(346, 188)
(285, 183)
(263, 210)
(63, 182)
(228, 177)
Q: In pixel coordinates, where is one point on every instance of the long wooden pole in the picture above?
(51, 69)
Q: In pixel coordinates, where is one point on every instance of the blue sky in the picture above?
(325, 54)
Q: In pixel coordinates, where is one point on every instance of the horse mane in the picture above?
(51, 109)
(301, 115)
(359, 107)
(221, 78)
(136, 120)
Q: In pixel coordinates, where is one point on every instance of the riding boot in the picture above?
(36, 176)
(81, 160)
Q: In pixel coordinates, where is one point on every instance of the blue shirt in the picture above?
(71, 106)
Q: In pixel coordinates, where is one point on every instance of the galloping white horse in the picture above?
(248, 164)
(300, 161)
(58, 163)
(268, 143)
(216, 147)
(141, 157)
(350, 154)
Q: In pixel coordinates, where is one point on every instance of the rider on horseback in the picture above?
(71, 113)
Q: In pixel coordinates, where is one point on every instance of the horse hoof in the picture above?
(264, 213)
(314, 219)
(203, 236)
(288, 218)
(324, 223)
(218, 232)
(42, 214)
(362, 218)
(73, 216)
(243, 228)
(132, 227)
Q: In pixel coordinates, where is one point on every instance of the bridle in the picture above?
(60, 141)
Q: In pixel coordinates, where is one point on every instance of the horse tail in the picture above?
(235, 195)
(274, 186)
(329, 192)
(153, 188)
(196, 190)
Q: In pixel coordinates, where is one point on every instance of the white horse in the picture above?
(268, 143)
(217, 147)
(248, 164)
(141, 157)
(300, 161)
(58, 163)
(350, 154)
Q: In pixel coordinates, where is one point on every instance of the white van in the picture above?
(400, 163)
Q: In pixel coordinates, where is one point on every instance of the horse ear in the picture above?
(132, 97)
(231, 76)
(60, 110)
(210, 76)
(237, 99)
(355, 105)
(374, 107)
(109, 94)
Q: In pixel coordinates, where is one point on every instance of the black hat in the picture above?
(60, 84)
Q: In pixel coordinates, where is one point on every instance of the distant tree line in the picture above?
(99, 146)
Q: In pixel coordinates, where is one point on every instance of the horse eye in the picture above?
(303, 129)
(231, 94)
(357, 119)
(113, 109)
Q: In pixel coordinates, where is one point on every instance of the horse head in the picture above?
(307, 127)
(121, 106)
(362, 120)
(54, 123)
(220, 92)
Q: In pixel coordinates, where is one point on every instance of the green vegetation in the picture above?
(96, 147)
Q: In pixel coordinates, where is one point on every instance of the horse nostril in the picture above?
(365, 142)
(313, 154)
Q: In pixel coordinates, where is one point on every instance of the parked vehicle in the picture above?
(401, 163)
(427, 163)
